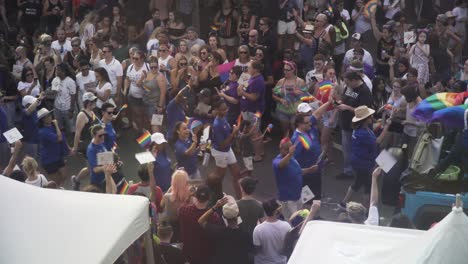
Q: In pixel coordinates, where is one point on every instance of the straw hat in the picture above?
(309, 29)
(362, 112)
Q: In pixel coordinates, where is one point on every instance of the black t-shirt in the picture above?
(32, 10)
(354, 97)
(231, 245)
(172, 254)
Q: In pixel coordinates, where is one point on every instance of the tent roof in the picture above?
(56, 226)
(332, 242)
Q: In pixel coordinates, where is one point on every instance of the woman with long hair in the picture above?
(87, 28)
(186, 150)
(134, 90)
(181, 75)
(386, 46)
(246, 23)
(95, 52)
(419, 56)
(209, 77)
(287, 94)
(178, 194)
(31, 169)
(29, 85)
(155, 86)
(183, 50)
(228, 92)
(213, 42)
(103, 86)
(175, 27)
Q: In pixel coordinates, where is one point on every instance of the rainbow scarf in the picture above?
(447, 108)
(124, 188)
(307, 98)
(144, 140)
(305, 141)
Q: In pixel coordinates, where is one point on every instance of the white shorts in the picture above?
(288, 208)
(223, 159)
(228, 41)
(327, 119)
(286, 27)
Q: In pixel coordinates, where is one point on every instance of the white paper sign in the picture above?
(306, 194)
(248, 163)
(244, 79)
(17, 69)
(206, 135)
(104, 158)
(386, 160)
(144, 157)
(157, 120)
(12, 135)
(206, 159)
(409, 37)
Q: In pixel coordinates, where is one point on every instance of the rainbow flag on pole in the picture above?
(144, 140)
(124, 188)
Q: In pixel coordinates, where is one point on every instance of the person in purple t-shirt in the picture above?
(229, 94)
(222, 137)
(252, 104)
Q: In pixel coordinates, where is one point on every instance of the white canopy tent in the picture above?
(56, 226)
(330, 242)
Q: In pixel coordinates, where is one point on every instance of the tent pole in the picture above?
(457, 201)
(149, 247)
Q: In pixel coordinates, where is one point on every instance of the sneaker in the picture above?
(342, 206)
(75, 183)
(344, 176)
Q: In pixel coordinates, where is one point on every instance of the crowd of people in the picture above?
(76, 76)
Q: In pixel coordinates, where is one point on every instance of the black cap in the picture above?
(203, 193)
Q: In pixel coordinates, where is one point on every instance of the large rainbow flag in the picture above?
(447, 108)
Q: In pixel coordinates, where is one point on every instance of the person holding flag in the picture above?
(307, 148)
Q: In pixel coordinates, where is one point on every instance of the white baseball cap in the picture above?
(28, 99)
(230, 210)
(356, 36)
(89, 96)
(43, 112)
(158, 138)
(304, 108)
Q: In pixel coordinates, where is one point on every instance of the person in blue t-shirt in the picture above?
(5, 150)
(162, 170)
(175, 112)
(222, 137)
(96, 146)
(52, 147)
(288, 175)
(363, 153)
(30, 124)
(107, 111)
(307, 141)
(186, 150)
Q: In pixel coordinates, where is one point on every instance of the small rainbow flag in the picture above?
(325, 86)
(125, 106)
(269, 128)
(388, 107)
(307, 98)
(144, 140)
(239, 120)
(304, 141)
(124, 188)
(258, 114)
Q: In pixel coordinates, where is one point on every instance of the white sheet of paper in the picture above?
(12, 135)
(157, 120)
(386, 160)
(248, 163)
(17, 69)
(306, 194)
(206, 159)
(206, 135)
(144, 157)
(244, 79)
(104, 158)
(409, 37)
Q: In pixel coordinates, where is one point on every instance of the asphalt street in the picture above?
(333, 189)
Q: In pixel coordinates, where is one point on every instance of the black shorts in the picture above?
(54, 166)
(362, 178)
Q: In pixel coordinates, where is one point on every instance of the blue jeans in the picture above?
(10, 109)
(346, 137)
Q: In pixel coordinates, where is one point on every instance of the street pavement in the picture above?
(333, 189)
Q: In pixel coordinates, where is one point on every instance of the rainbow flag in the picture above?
(304, 141)
(426, 109)
(144, 140)
(307, 98)
(269, 128)
(224, 69)
(452, 117)
(388, 107)
(124, 188)
(125, 106)
(258, 114)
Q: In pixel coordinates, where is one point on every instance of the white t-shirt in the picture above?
(62, 49)
(84, 83)
(368, 82)
(242, 65)
(34, 92)
(270, 238)
(310, 76)
(41, 181)
(19, 66)
(66, 88)
(461, 14)
(133, 75)
(100, 91)
(152, 47)
(345, 15)
(114, 70)
(373, 218)
(367, 59)
(88, 32)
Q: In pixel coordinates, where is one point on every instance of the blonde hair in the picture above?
(29, 165)
(356, 212)
(155, 33)
(88, 19)
(179, 186)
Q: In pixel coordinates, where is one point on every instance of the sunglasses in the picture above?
(182, 64)
(75, 45)
(203, 52)
(153, 67)
(105, 51)
(242, 52)
(162, 50)
(101, 135)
